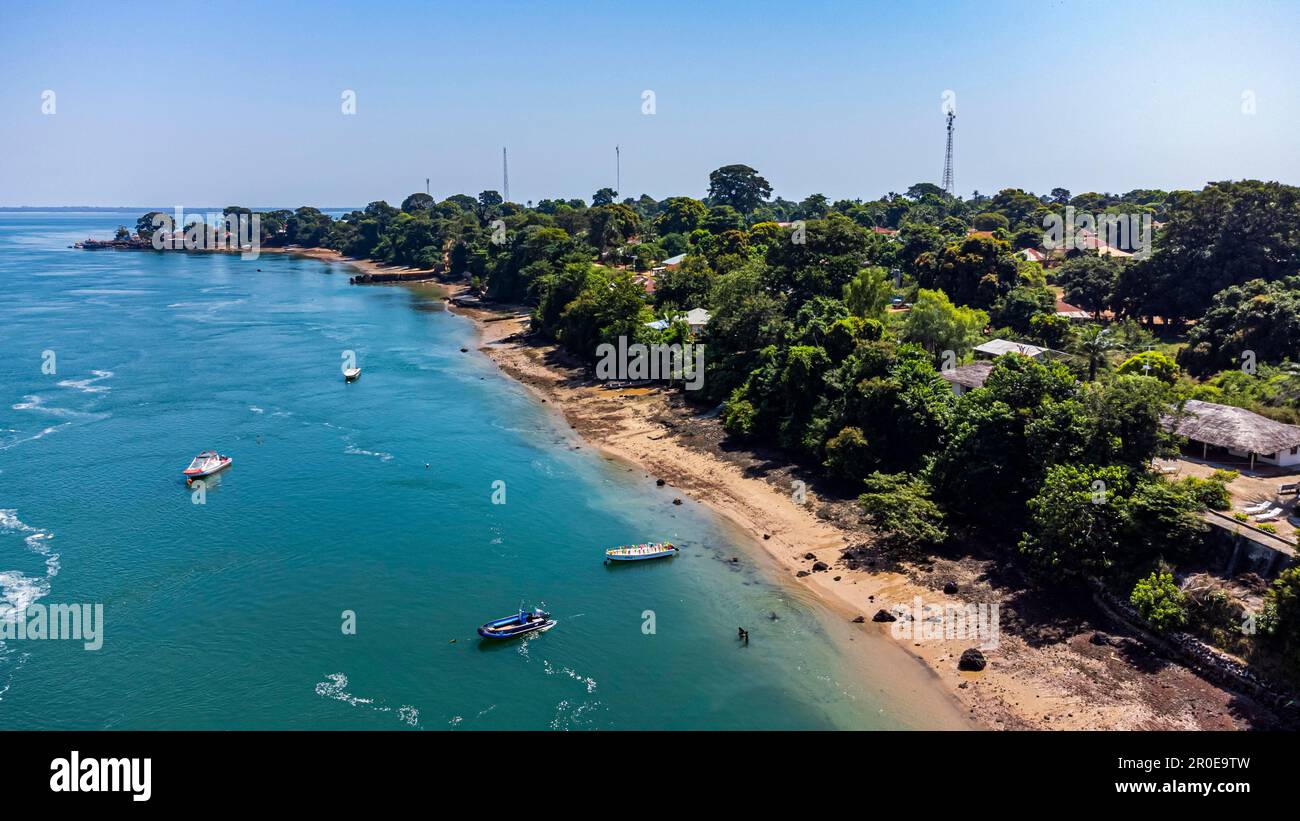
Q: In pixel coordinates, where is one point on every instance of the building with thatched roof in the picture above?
(968, 377)
(1236, 432)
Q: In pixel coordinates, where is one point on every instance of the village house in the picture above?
(697, 318)
(967, 377)
(1071, 312)
(997, 347)
(1228, 434)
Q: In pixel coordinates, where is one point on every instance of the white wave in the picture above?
(9, 680)
(88, 385)
(18, 590)
(33, 402)
(587, 681)
(356, 451)
(255, 409)
(335, 686)
(39, 435)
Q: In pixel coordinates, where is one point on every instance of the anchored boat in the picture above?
(351, 374)
(641, 552)
(205, 464)
(517, 624)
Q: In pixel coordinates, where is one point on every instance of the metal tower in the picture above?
(947, 159)
(505, 176)
(618, 171)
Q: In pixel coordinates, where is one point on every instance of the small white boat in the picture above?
(641, 552)
(205, 464)
(350, 374)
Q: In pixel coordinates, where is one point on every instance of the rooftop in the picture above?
(973, 375)
(998, 347)
(1228, 427)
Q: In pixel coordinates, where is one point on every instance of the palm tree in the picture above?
(1095, 341)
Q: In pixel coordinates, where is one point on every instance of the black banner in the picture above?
(139, 770)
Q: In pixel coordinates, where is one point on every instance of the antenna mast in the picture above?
(947, 158)
(505, 176)
(618, 171)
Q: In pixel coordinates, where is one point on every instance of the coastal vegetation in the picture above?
(832, 323)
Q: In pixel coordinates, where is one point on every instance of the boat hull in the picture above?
(663, 554)
(641, 553)
(509, 627)
(199, 474)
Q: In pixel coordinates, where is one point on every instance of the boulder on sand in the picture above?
(971, 660)
(884, 615)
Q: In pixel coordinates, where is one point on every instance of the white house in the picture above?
(997, 347)
(1237, 432)
(697, 318)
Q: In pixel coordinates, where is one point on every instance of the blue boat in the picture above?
(641, 552)
(517, 624)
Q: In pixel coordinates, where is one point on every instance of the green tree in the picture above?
(612, 225)
(1150, 363)
(680, 215)
(975, 271)
(1258, 316)
(868, 294)
(899, 507)
(990, 221)
(1282, 613)
(1160, 602)
(739, 186)
(938, 325)
(417, 202)
(1094, 342)
(1089, 280)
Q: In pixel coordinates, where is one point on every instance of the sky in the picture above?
(230, 103)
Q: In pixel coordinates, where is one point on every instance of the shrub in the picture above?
(1151, 363)
(848, 454)
(1211, 493)
(739, 415)
(1160, 602)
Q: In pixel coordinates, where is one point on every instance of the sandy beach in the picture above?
(1049, 668)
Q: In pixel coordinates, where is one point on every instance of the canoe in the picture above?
(517, 624)
(350, 374)
(205, 464)
(641, 552)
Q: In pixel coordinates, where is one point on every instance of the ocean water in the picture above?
(374, 498)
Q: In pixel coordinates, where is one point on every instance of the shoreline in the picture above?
(1045, 672)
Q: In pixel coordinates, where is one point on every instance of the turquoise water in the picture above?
(374, 497)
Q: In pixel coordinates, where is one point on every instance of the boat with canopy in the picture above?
(205, 464)
(641, 552)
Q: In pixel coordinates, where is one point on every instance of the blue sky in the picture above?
(240, 103)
